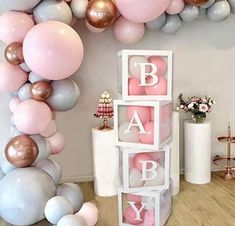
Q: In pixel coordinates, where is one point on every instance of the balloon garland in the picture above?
(42, 52)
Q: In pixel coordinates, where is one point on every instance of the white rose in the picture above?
(203, 108)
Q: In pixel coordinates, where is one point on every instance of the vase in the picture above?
(199, 118)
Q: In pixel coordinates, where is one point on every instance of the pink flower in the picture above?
(203, 108)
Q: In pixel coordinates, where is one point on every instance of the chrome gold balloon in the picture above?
(41, 90)
(196, 2)
(13, 53)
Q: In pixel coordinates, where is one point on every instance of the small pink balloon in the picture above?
(160, 63)
(149, 218)
(159, 89)
(12, 77)
(57, 143)
(89, 213)
(32, 117)
(50, 43)
(140, 11)
(93, 29)
(139, 158)
(128, 32)
(148, 137)
(130, 215)
(142, 111)
(14, 26)
(175, 7)
(50, 130)
(152, 114)
(131, 163)
(133, 198)
(14, 103)
(134, 87)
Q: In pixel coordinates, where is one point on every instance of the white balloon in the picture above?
(52, 168)
(73, 193)
(56, 208)
(159, 180)
(24, 92)
(79, 8)
(135, 179)
(128, 137)
(150, 202)
(71, 220)
(134, 67)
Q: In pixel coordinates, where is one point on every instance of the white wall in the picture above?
(204, 63)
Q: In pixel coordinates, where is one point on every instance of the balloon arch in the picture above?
(42, 52)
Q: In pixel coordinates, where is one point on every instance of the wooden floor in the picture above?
(208, 205)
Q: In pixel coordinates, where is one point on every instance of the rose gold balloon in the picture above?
(196, 2)
(101, 13)
(13, 53)
(21, 151)
(41, 90)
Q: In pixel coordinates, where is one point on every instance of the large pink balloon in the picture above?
(53, 50)
(50, 130)
(14, 26)
(57, 143)
(11, 77)
(160, 63)
(142, 111)
(134, 87)
(128, 32)
(14, 103)
(175, 7)
(159, 89)
(130, 215)
(32, 117)
(141, 11)
(148, 137)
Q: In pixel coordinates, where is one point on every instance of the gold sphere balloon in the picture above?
(21, 151)
(101, 13)
(196, 2)
(41, 90)
(13, 53)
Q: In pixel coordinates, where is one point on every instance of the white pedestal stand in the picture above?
(106, 163)
(197, 138)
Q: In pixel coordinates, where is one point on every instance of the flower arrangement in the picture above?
(197, 106)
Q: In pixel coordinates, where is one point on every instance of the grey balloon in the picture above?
(15, 132)
(219, 11)
(73, 193)
(71, 220)
(43, 148)
(6, 166)
(232, 5)
(53, 10)
(24, 92)
(24, 194)
(172, 24)
(52, 168)
(1, 174)
(157, 23)
(189, 13)
(33, 77)
(202, 11)
(208, 4)
(19, 5)
(65, 95)
(25, 67)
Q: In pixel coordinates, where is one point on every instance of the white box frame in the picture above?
(123, 73)
(157, 145)
(125, 152)
(153, 194)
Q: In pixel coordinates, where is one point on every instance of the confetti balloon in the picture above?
(21, 151)
(13, 53)
(101, 13)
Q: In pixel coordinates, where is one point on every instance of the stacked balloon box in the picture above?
(143, 128)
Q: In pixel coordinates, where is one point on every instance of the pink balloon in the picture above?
(53, 50)
(57, 143)
(12, 77)
(175, 7)
(160, 63)
(128, 32)
(166, 113)
(131, 163)
(14, 103)
(134, 88)
(89, 213)
(133, 198)
(149, 218)
(130, 215)
(148, 137)
(152, 114)
(93, 29)
(14, 26)
(139, 158)
(142, 111)
(32, 117)
(141, 11)
(50, 130)
(165, 131)
(156, 156)
(159, 89)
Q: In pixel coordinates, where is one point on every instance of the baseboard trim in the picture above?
(78, 179)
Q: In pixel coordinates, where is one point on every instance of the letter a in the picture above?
(137, 124)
